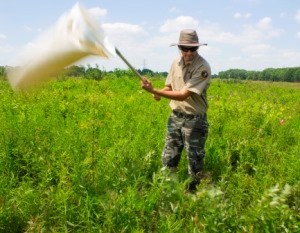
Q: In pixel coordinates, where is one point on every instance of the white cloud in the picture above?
(249, 45)
(248, 15)
(265, 23)
(226, 37)
(121, 30)
(288, 58)
(179, 23)
(98, 12)
(297, 16)
(290, 55)
(4, 49)
(262, 30)
(125, 36)
(235, 59)
(2, 36)
(249, 34)
(257, 50)
(238, 15)
(298, 35)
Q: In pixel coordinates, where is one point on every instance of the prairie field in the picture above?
(82, 155)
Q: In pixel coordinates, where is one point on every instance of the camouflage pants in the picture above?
(189, 132)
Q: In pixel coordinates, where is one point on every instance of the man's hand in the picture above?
(146, 85)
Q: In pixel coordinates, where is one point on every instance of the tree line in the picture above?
(291, 74)
(93, 72)
(96, 73)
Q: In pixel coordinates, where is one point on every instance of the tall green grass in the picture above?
(84, 156)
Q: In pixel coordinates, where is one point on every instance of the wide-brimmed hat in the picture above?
(188, 37)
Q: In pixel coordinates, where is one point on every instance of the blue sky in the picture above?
(245, 34)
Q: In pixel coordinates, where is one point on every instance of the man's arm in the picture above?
(166, 92)
(166, 88)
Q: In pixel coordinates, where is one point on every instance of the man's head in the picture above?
(188, 44)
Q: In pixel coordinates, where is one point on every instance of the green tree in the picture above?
(75, 71)
(296, 75)
(93, 73)
(2, 71)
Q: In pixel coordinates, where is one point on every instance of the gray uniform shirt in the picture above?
(195, 77)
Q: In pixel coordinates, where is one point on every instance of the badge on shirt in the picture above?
(204, 74)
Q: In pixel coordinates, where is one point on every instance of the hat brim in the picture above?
(189, 45)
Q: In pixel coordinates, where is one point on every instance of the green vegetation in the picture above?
(2, 72)
(83, 155)
(291, 74)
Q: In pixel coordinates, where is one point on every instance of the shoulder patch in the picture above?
(204, 74)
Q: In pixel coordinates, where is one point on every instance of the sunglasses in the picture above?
(185, 49)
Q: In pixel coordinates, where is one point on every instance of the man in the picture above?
(186, 86)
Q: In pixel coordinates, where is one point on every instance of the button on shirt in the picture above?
(194, 77)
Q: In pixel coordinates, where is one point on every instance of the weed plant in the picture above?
(82, 155)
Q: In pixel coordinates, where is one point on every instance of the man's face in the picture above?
(188, 53)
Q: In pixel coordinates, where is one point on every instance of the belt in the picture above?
(189, 116)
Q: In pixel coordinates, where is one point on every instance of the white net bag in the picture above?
(75, 36)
